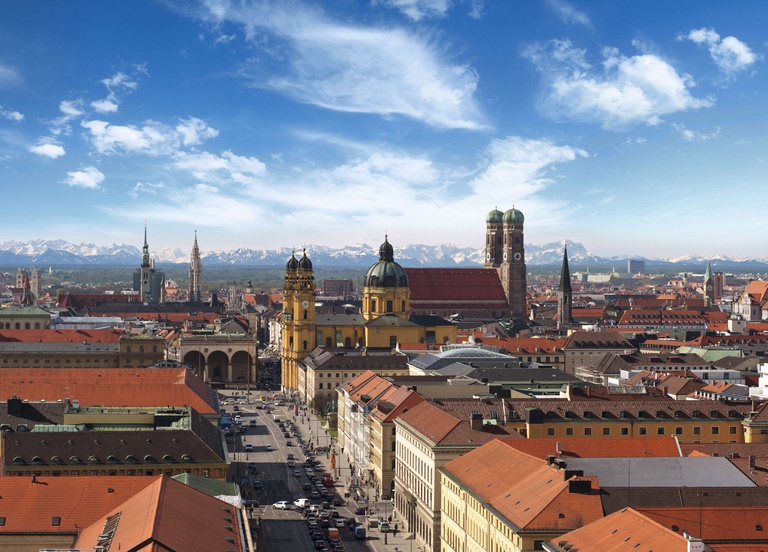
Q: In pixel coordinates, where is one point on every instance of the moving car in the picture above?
(282, 505)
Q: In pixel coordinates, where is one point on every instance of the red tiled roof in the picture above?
(111, 335)
(110, 386)
(28, 507)
(430, 421)
(712, 523)
(455, 284)
(587, 447)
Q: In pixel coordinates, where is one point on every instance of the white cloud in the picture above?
(104, 106)
(46, 147)
(567, 13)
(151, 139)
(418, 9)
(193, 131)
(627, 91)
(146, 188)
(693, 136)
(730, 54)
(86, 177)
(338, 66)
(14, 116)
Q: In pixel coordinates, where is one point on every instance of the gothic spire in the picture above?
(565, 273)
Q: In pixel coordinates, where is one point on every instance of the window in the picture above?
(715, 430)
(569, 431)
(587, 431)
(373, 305)
(678, 430)
(390, 306)
(696, 430)
(625, 431)
(732, 430)
(320, 386)
(550, 431)
(660, 430)
(392, 341)
(329, 342)
(606, 431)
(642, 431)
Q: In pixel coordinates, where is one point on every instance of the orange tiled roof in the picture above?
(110, 386)
(624, 531)
(171, 516)
(29, 507)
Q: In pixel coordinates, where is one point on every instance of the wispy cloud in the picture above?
(118, 85)
(694, 136)
(146, 188)
(343, 67)
(224, 168)
(70, 110)
(47, 147)
(87, 177)
(627, 90)
(11, 115)
(730, 54)
(417, 10)
(9, 76)
(568, 13)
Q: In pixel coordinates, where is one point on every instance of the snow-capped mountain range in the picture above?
(46, 253)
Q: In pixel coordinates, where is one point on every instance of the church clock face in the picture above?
(709, 287)
(505, 255)
(517, 256)
(305, 304)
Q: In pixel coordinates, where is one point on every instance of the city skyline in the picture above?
(269, 124)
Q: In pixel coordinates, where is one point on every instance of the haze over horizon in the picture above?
(632, 128)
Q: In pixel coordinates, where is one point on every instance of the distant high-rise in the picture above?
(635, 267)
(195, 274)
(565, 295)
(146, 280)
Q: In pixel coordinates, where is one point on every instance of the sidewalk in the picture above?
(401, 542)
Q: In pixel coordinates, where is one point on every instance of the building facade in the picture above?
(505, 251)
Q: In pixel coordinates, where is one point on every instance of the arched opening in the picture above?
(218, 365)
(241, 362)
(196, 360)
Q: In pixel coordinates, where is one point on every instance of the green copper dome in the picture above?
(513, 215)
(386, 273)
(494, 216)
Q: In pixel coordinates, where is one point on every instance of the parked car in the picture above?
(257, 484)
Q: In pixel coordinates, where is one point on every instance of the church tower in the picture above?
(564, 295)
(709, 286)
(146, 266)
(298, 327)
(148, 282)
(385, 287)
(505, 251)
(195, 274)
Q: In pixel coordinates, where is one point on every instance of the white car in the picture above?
(282, 505)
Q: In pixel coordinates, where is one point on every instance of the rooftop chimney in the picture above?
(476, 421)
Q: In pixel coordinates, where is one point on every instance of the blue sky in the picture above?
(632, 127)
